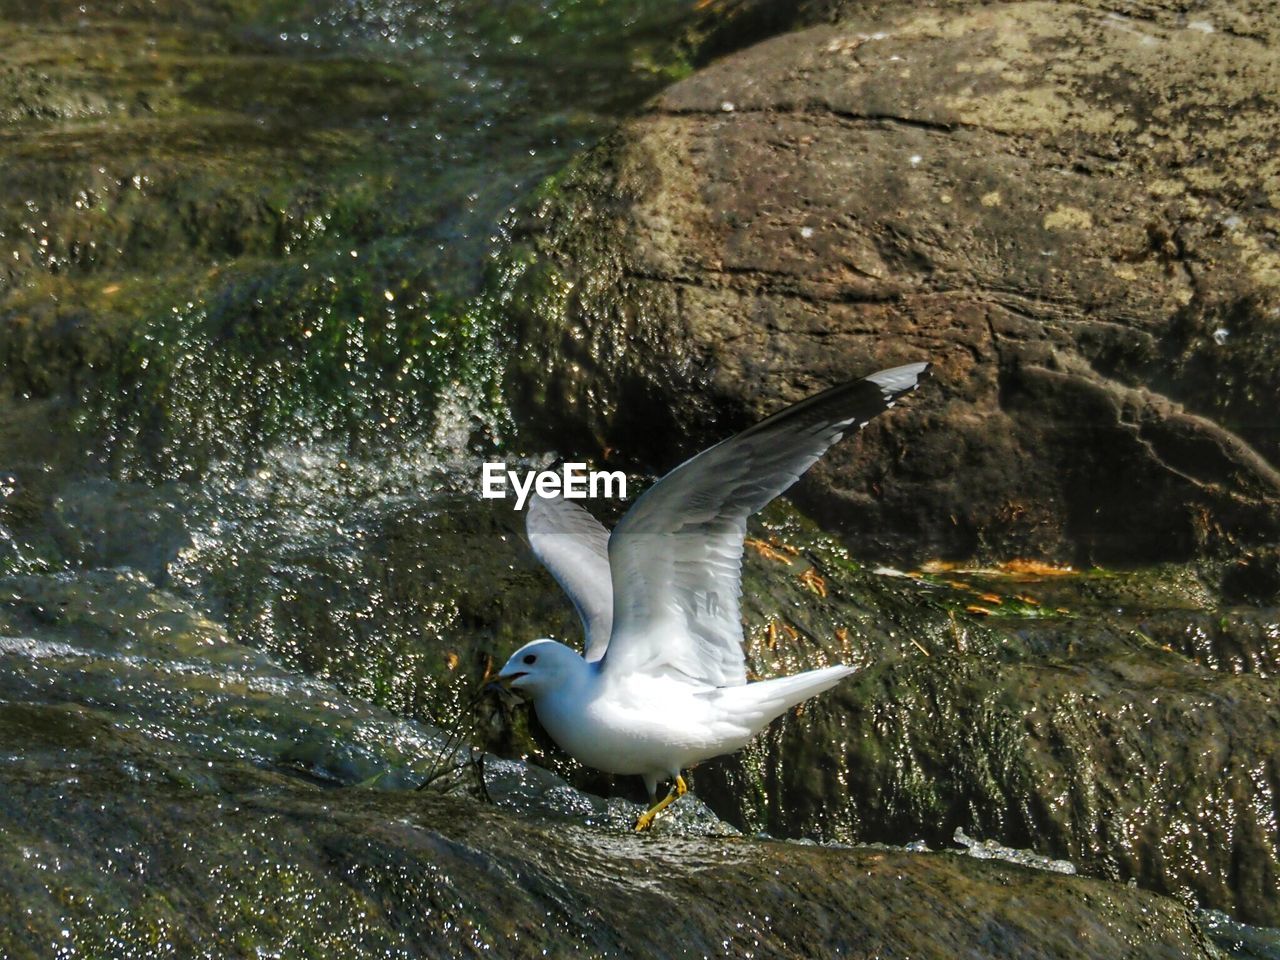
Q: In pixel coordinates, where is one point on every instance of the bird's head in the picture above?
(540, 667)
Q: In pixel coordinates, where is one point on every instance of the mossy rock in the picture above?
(162, 788)
(1121, 728)
(260, 864)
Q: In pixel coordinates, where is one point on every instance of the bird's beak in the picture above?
(501, 684)
(505, 680)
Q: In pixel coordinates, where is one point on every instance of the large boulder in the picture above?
(164, 791)
(252, 864)
(1069, 211)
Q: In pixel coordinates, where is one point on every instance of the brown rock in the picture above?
(1071, 212)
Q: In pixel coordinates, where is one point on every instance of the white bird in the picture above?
(663, 685)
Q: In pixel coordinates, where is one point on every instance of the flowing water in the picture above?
(252, 303)
(253, 282)
(255, 292)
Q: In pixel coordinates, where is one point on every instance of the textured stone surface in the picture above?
(1127, 723)
(263, 866)
(1072, 213)
(165, 792)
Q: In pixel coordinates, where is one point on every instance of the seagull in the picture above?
(662, 684)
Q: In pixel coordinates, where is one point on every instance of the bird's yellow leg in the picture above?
(646, 819)
(678, 789)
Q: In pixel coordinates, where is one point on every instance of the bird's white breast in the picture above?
(640, 725)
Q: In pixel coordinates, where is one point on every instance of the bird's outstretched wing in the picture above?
(573, 545)
(676, 557)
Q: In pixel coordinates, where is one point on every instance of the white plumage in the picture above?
(663, 685)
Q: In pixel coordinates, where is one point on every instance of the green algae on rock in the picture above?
(261, 865)
(239, 224)
(1128, 727)
(165, 790)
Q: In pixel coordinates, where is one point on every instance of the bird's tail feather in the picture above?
(771, 698)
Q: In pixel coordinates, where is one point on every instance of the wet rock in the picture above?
(266, 865)
(1126, 766)
(165, 790)
(1254, 577)
(95, 523)
(1240, 941)
(1075, 239)
(530, 789)
(1231, 639)
(233, 225)
(388, 580)
(108, 651)
(410, 601)
(1137, 741)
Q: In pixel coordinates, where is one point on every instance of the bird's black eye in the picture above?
(529, 658)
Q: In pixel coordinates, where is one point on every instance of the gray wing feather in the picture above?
(574, 547)
(676, 557)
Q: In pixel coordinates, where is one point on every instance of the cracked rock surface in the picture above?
(1071, 212)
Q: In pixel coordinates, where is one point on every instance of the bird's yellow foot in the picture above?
(645, 820)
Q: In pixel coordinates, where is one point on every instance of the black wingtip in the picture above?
(857, 400)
